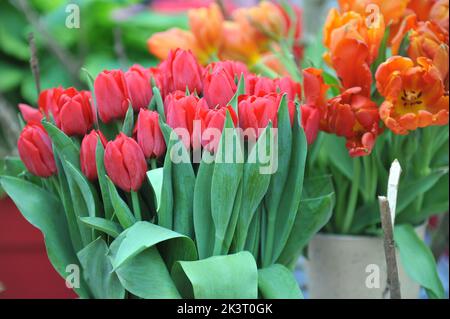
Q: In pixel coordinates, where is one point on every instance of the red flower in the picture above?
(35, 150)
(355, 117)
(139, 86)
(76, 114)
(261, 86)
(255, 112)
(48, 103)
(149, 135)
(218, 86)
(180, 113)
(30, 114)
(234, 68)
(212, 122)
(310, 122)
(87, 153)
(180, 71)
(112, 95)
(125, 163)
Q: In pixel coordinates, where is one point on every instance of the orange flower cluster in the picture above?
(246, 37)
(414, 88)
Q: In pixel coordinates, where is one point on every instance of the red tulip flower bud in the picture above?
(310, 122)
(48, 103)
(149, 135)
(30, 114)
(87, 154)
(213, 119)
(35, 150)
(76, 114)
(180, 113)
(260, 86)
(180, 71)
(218, 87)
(286, 85)
(139, 86)
(125, 163)
(112, 95)
(255, 112)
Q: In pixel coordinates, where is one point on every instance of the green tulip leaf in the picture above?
(121, 209)
(128, 123)
(225, 183)
(203, 222)
(103, 181)
(218, 277)
(278, 282)
(66, 148)
(143, 235)
(106, 226)
(155, 177)
(97, 271)
(418, 260)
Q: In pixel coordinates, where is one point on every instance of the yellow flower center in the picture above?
(411, 101)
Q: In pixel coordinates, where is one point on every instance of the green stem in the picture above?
(136, 206)
(353, 197)
(153, 163)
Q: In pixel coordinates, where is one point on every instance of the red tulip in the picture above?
(234, 68)
(48, 103)
(149, 135)
(139, 86)
(125, 163)
(255, 112)
(310, 122)
(260, 86)
(218, 86)
(212, 119)
(76, 114)
(180, 113)
(87, 153)
(112, 95)
(288, 86)
(30, 114)
(35, 150)
(180, 71)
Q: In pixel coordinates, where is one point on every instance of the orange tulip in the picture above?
(238, 45)
(161, 43)
(426, 39)
(392, 10)
(355, 117)
(353, 46)
(206, 24)
(439, 14)
(414, 94)
(421, 8)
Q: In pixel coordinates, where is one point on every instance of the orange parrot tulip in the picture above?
(355, 117)
(392, 10)
(206, 24)
(353, 47)
(238, 45)
(439, 14)
(414, 94)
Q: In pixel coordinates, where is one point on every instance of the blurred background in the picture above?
(112, 34)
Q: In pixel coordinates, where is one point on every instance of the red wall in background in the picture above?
(25, 271)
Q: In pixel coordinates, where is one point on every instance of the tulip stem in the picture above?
(264, 70)
(351, 205)
(136, 206)
(153, 164)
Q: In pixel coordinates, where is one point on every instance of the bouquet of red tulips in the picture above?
(174, 181)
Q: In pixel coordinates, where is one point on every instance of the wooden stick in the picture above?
(389, 248)
(34, 63)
